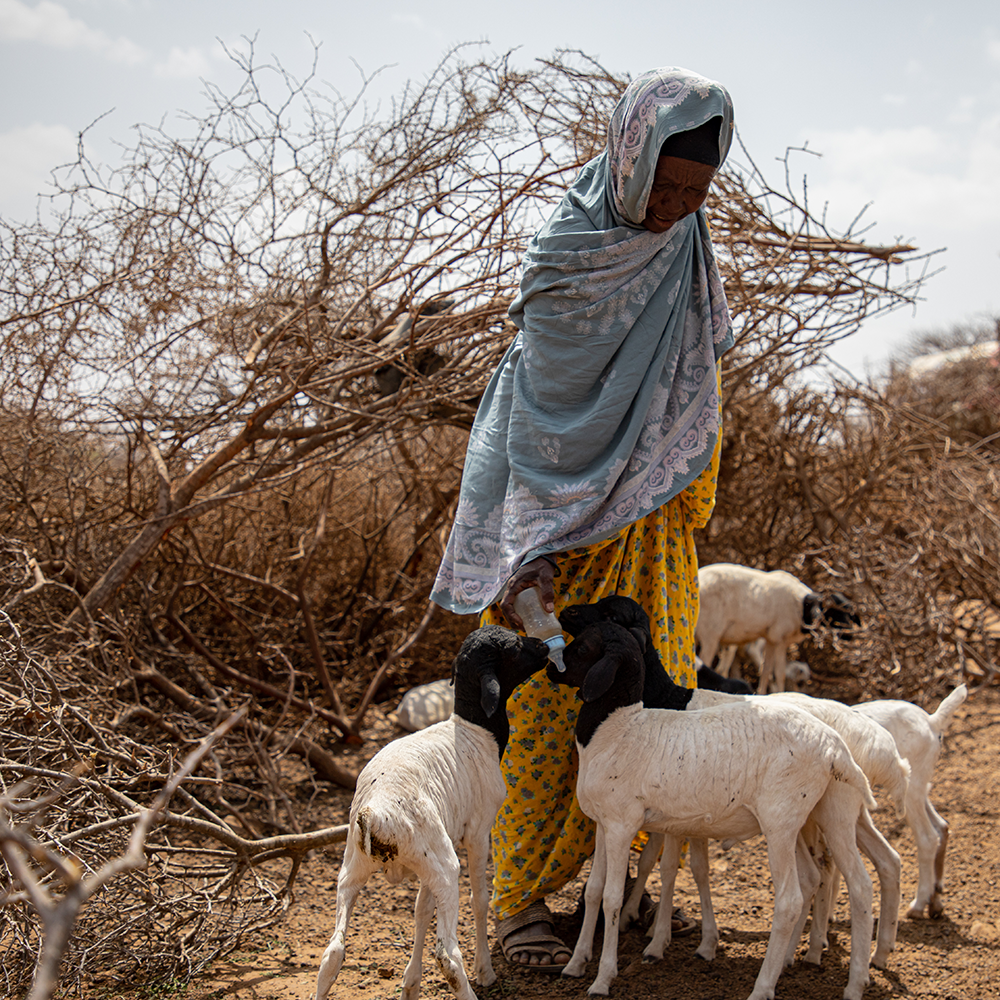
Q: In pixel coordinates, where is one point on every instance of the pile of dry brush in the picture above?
(237, 375)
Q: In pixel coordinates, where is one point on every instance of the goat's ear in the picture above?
(599, 678)
(489, 693)
(641, 637)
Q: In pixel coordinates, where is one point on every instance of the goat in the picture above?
(877, 756)
(426, 704)
(738, 604)
(919, 736)
(667, 771)
(427, 793)
(797, 672)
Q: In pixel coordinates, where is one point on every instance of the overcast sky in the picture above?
(902, 99)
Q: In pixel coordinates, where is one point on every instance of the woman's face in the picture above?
(680, 187)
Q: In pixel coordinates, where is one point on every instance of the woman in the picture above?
(594, 454)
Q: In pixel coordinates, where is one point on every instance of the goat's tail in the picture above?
(364, 822)
(845, 768)
(940, 719)
(895, 782)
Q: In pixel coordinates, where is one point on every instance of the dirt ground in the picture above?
(954, 958)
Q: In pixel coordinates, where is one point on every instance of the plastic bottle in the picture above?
(542, 624)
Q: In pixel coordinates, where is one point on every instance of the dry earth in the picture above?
(954, 958)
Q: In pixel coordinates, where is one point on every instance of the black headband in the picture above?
(700, 144)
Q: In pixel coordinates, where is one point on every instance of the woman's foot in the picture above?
(527, 939)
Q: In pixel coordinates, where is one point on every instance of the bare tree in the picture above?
(222, 302)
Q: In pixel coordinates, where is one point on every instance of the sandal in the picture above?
(541, 943)
(681, 925)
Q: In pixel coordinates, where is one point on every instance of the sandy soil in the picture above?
(954, 958)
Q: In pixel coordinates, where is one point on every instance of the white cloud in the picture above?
(50, 23)
(993, 48)
(189, 63)
(916, 178)
(27, 156)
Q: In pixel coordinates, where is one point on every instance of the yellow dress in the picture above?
(541, 837)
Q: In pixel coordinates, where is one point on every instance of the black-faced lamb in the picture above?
(876, 754)
(428, 793)
(738, 604)
(918, 736)
(730, 772)
(712, 680)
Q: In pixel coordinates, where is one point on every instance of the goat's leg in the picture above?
(698, 855)
(661, 929)
(423, 912)
(840, 833)
(887, 866)
(647, 859)
(787, 905)
(726, 656)
(354, 873)
(442, 879)
(813, 867)
(767, 675)
(826, 896)
(477, 850)
(775, 661)
(936, 907)
(927, 827)
(592, 894)
(709, 647)
(616, 845)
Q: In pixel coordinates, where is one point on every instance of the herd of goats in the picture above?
(795, 768)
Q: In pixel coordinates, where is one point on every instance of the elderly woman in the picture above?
(594, 454)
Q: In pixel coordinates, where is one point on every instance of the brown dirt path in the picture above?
(954, 958)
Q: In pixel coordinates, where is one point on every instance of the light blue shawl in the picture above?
(606, 404)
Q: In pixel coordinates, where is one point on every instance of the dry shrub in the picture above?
(73, 782)
(855, 492)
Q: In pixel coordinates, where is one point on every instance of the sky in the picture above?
(897, 102)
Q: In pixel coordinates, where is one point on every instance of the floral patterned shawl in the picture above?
(606, 404)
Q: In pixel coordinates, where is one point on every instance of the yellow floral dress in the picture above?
(541, 837)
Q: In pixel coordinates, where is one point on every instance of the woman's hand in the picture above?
(538, 573)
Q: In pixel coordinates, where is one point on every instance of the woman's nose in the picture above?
(672, 203)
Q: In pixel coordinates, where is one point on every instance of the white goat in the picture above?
(426, 704)
(427, 793)
(797, 672)
(738, 604)
(918, 736)
(729, 772)
(870, 745)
